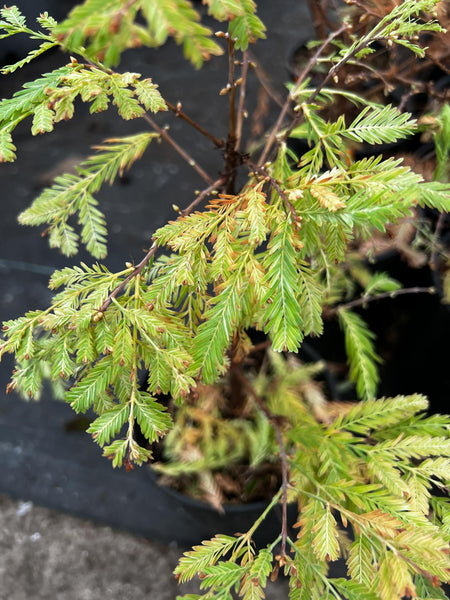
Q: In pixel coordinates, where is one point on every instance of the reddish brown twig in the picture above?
(241, 106)
(283, 457)
(276, 186)
(232, 90)
(318, 17)
(177, 110)
(191, 162)
(144, 262)
(202, 195)
(366, 299)
(312, 62)
(137, 271)
(264, 80)
(231, 157)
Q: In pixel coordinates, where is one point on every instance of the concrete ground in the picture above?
(47, 555)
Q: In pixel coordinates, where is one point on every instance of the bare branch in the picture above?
(319, 17)
(275, 422)
(137, 271)
(240, 112)
(182, 115)
(366, 299)
(202, 195)
(144, 262)
(264, 80)
(276, 186)
(232, 90)
(291, 96)
(191, 162)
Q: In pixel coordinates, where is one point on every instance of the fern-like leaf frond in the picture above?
(248, 27)
(378, 414)
(44, 47)
(104, 28)
(283, 320)
(325, 542)
(435, 195)
(73, 194)
(380, 125)
(51, 97)
(208, 553)
(215, 333)
(360, 560)
(151, 416)
(223, 10)
(361, 353)
(178, 19)
(109, 424)
(7, 148)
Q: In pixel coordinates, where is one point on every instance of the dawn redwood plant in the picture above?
(272, 256)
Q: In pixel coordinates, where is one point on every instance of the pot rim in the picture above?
(228, 508)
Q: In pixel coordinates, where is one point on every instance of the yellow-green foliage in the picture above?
(273, 256)
(392, 533)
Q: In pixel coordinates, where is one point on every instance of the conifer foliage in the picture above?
(276, 256)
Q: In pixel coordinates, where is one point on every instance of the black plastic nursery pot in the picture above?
(46, 458)
(204, 521)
